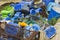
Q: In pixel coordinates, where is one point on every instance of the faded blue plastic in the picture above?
(50, 5)
(17, 7)
(18, 14)
(36, 27)
(48, 1)
(8, 18)
(50, 32)
(53, 14)
(27, 33)
(28, 28)
(38, 10)
(14, 18)
(13, 30)
(32, 12)
(11, 23)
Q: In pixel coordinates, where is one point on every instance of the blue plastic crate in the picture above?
(27, 33)
(50, 32)
(13, 30)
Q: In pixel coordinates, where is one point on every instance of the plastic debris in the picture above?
(32, 12)
(13, 30)
(36, 27)
(17, 7)
(50, 32)
(47, 2)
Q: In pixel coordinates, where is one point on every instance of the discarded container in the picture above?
(12, 30)
(50, 32)
(50, 5)
(12, 34)
(24, 6)
(47, 2)
(54, 13)
(20, 6)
